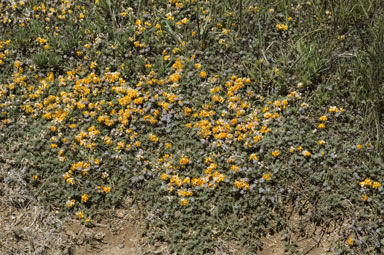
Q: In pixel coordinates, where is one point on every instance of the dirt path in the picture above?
(121, 234)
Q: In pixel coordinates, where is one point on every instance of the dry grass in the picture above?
(26, 227)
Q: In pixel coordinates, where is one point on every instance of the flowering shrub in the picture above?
(219, 133)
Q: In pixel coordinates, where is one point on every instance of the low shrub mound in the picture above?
(223, 119)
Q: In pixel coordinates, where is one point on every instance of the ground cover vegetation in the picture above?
(221, 117)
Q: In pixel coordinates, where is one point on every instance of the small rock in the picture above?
(88, 234)
(121, 214)
(99, 236)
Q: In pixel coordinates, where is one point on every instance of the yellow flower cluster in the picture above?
(244, 128)
(368, 183)
(267, 176)
(281, 27)
(241, 184)
(4, 54)
(276, 153)
(184, 193)
(184, 160)
(306, 153)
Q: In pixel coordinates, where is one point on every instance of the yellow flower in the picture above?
(93, 65)
(164, 177)
(277, 71)
(233, 122)
(376, 185)
(176, 179)
(184, 202)
(321, 126)
(350, 241)
(120, 145)
(306, 153)
(84, 198)
(365, 183)
(184, 193)
(333, 109)
(70, 203)
(276, 153)
(277, 103)
(104, 175)
(218, 177)
(359, 146)
(153, 138)
(321, 142)
(203, 74)
(34, 177)
(242, 184)
(267, 176)
(281, 27)
(364, 197)
(80, 215)
(184, 160)
(235, 168)
(323, 118)
(256, 138)
(187, 111)
(208, 160)
(225, 31)
(253, 156)
(106, 189)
